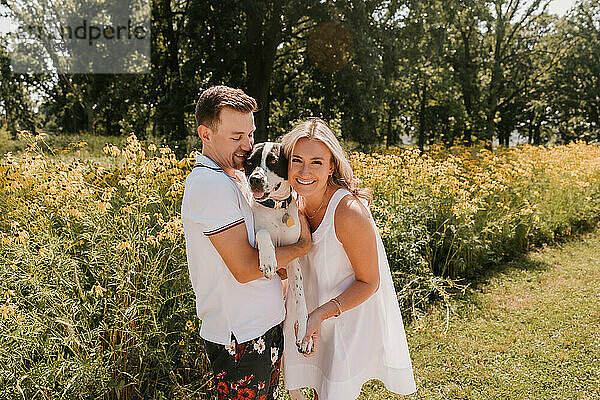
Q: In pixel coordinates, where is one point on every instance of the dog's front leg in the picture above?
(301, 311)
(266, 253)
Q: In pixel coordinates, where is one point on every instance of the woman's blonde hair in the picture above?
(343, 177)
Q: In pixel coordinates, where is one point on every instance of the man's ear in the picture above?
(204, 133)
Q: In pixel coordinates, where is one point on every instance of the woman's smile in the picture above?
(305, 182)
(309, 169)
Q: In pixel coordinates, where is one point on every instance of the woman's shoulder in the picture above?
(351, 217)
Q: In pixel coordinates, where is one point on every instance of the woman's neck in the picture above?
(315, 204)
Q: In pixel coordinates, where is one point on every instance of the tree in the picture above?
(465, 55)
(16, 106)
(512, 42)
(575, 79)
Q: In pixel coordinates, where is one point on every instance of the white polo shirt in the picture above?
(212, 203)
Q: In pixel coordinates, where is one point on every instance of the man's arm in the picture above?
(242, 259)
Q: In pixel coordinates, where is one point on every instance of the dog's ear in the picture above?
(253, 159)
(283, 161)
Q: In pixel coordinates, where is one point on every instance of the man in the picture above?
(241, 311)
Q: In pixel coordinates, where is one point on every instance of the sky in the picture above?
(560, 7)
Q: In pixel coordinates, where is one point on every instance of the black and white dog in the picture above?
(276, 221)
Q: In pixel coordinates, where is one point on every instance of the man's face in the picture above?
(232, 139)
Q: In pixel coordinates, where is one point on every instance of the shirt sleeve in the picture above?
(212, 202)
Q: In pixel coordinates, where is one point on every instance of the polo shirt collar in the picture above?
(204, 162)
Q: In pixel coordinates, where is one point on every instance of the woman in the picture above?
(346, 275)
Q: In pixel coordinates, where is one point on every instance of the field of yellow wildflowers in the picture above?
(96, 300)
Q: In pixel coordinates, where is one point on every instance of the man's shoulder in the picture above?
(207, 177)
(204, 185)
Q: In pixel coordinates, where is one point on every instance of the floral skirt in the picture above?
(247, 370)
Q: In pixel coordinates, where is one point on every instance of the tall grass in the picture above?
(95, 295)
(455, 212)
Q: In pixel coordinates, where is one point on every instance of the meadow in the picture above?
(96, 300)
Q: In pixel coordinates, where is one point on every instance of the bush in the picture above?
(452, 213)
(96, 299)
(96, 295)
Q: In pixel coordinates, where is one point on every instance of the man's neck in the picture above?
(228, 170)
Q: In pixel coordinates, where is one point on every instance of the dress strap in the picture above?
(329, 214)
(334, 202)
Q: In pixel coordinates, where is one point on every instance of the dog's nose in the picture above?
(254, 181)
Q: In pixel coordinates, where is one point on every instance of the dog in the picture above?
(276, 222)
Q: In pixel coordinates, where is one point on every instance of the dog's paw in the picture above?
(268, 265)
(266, 254)
(305, 347)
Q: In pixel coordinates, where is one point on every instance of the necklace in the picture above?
(318, 209)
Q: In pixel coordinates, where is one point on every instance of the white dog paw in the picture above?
(268, 265)
(266, 254)
(307, 347)
(303, 347)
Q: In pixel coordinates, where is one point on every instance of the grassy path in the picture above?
(532, 331)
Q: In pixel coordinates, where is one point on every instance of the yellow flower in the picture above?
(103, 206)
(7, 310)
(97, 290)
(75, 213)
(190, 326)
(23, 237)
(124, 245)
(112, 150)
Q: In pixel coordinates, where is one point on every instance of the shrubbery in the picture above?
(455, 212)
(96, 300)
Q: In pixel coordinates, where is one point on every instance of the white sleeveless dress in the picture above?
(363, 343)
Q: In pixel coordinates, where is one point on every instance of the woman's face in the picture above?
(310, 167)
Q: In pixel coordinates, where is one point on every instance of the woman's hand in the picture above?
(312, 331)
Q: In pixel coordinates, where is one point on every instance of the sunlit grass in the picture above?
(529, 332)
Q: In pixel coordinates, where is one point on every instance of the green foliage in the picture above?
(454, 213)
(96, 298)
(431, 71)
(574, 80)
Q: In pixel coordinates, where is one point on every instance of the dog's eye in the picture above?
(273, 161)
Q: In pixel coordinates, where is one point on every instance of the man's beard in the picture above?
(236, 163)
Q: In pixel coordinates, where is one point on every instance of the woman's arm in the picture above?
(354, 230)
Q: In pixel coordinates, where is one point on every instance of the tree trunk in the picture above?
(263, 35)
(530, 129)
(537, 139)
(467, 82)
(496, 81)
(390, 138)
(171, 121)
(89, 111)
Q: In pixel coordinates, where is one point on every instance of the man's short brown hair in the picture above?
(215, 98)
